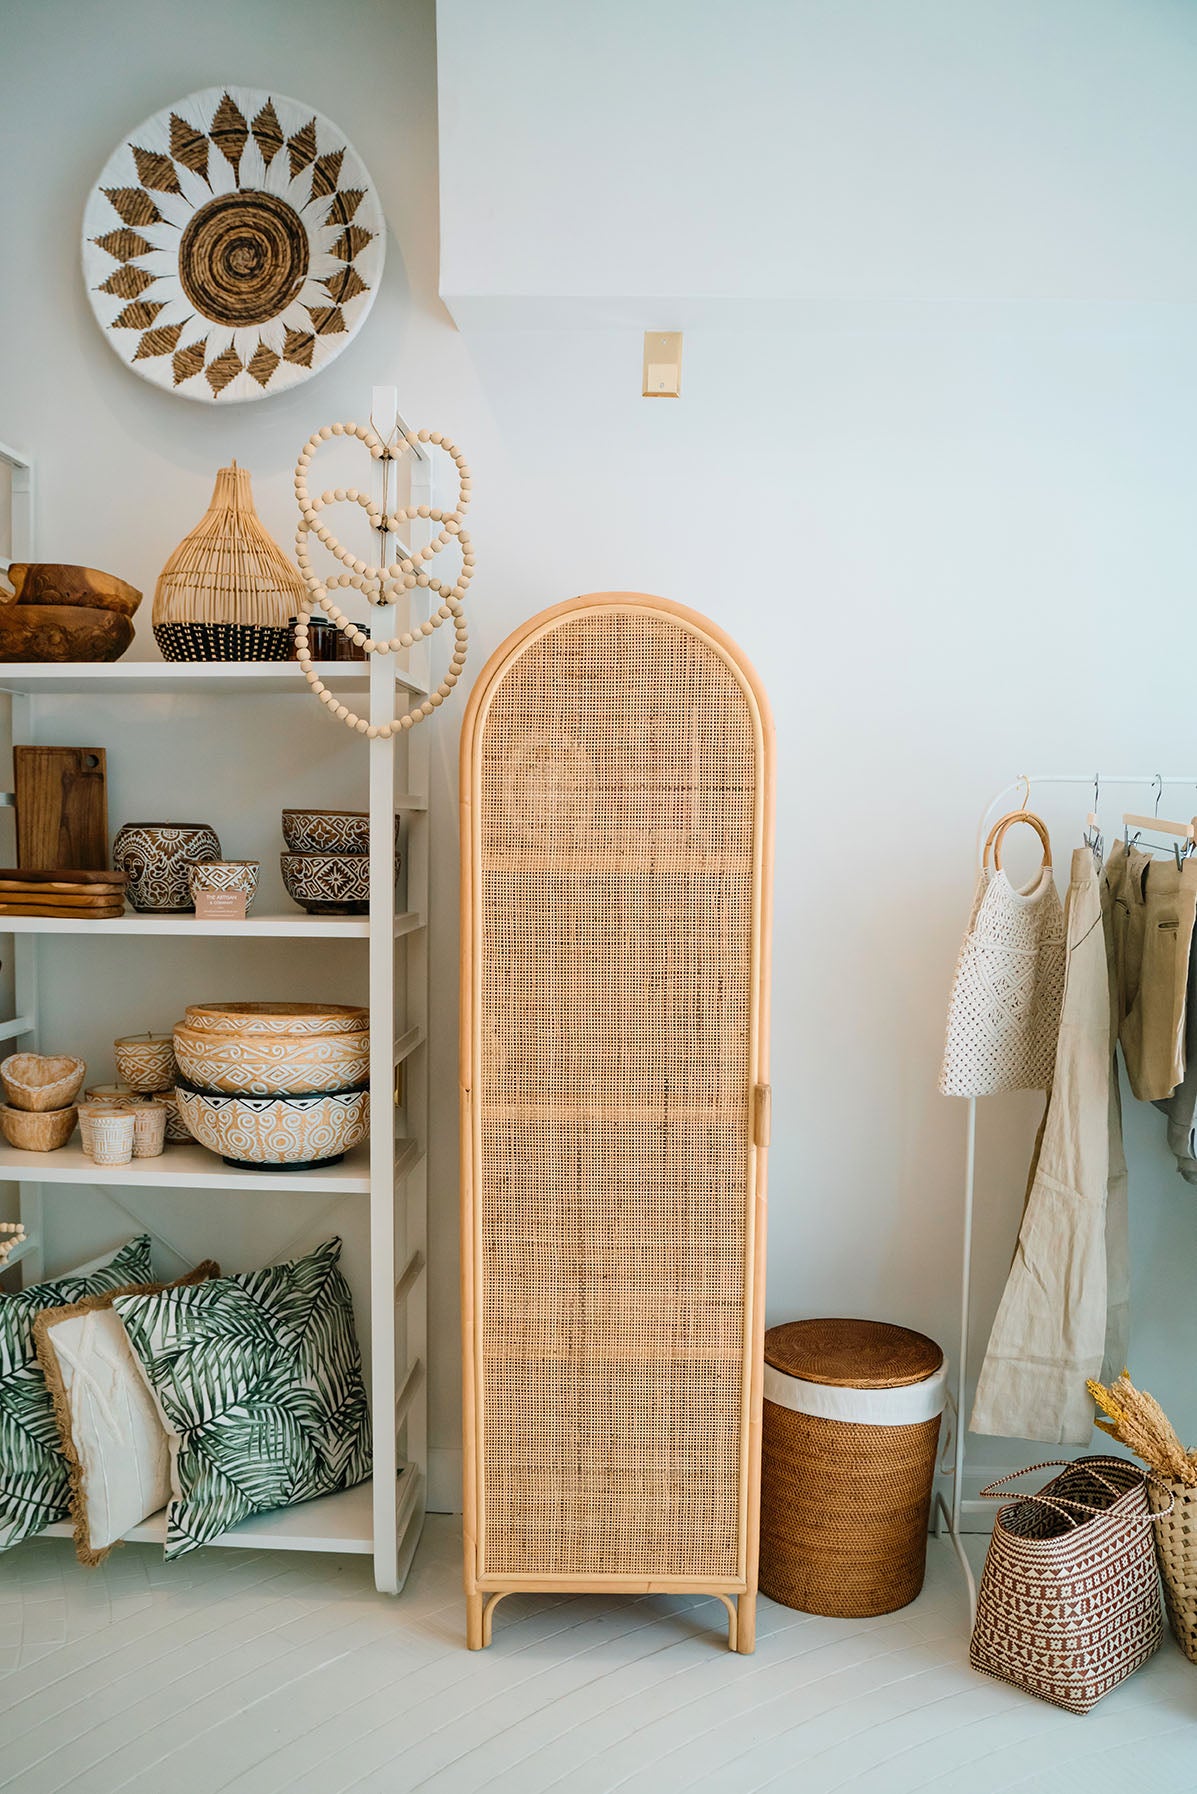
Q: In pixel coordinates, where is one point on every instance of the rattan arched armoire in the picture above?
(616, 816)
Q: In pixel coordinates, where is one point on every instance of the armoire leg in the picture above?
(745, 1640)
(474, 1628)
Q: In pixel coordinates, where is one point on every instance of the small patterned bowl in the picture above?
(327, 831)
(330, 884)
(145, 1062)
(225, 875)
(258, 1132)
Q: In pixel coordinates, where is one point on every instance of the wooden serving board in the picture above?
(62, 900)
(93, 914)
(62, 807)
(51, 892)
(66, 875)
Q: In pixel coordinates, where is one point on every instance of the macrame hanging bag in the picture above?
(1004, 1011)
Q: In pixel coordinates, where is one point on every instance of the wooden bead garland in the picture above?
(382, 584)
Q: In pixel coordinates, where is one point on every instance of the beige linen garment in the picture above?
(1050, 1330)
(1004, 1011)
(1154, 906)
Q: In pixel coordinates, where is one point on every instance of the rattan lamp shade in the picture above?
(616, 779)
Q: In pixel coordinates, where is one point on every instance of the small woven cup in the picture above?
(225, 875)
(146, 1062)
(99, 1105)
(149, 1129)
(111, 1137)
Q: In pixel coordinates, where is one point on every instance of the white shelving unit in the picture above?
(384, 1518)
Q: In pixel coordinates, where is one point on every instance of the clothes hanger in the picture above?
(1159, 825)
(1092, 837)
(1024, 814)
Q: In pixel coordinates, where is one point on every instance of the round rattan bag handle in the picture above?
(997, 835)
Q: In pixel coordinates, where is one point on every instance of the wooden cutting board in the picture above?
(95, 913)
(52, 900)
(62, 807)
(68, 876)
(53, 892)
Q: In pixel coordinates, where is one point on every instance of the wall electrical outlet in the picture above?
(662, 364)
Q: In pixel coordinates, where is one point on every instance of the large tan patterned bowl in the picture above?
(36, 1082)
(261, 1132)
(251, 1064)
(277, 1018)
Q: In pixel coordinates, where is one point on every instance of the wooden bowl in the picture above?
(37, 1082)
(49, 582)
(257, 1132)
(41, 1130)
(62, 632)
(329, 884)
(145, 1062)
(271, 1064)
(277, 1018)
(327, 831)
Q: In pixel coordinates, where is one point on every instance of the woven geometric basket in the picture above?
(1069, 1602)
(1176, 1548)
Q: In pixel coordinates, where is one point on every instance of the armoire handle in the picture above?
(762, 1112)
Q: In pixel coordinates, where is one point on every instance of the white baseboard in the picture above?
(444, 1481)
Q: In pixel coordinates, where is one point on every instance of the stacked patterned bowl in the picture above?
(326, 867)
(275, 1084)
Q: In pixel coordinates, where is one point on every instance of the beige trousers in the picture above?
(1064, 1306)
(1154, 906)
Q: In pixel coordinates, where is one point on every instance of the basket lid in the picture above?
(853, 1354)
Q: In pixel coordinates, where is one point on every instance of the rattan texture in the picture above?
(1069, 1602)
(617, 805)
(228, 586)
(844, 1512)
(1176, 1547)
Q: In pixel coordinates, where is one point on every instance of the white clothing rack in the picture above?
(959, 1506)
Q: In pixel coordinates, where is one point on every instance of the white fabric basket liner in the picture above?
(907, 1406)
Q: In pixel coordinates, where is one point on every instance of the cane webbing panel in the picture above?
(616, 806)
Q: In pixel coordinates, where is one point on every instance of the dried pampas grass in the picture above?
(1137, 1420)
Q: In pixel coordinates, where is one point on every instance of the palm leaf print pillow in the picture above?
(35, 1487)
(259, 1378)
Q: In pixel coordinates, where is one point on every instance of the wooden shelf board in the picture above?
(342, 1523)
(181, 678)
(189, 1167)
(295, 925)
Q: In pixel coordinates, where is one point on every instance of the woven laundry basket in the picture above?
(851, 1428)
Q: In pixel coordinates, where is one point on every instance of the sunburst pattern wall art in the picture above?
(233, 245)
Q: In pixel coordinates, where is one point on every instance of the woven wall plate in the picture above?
(232, 245)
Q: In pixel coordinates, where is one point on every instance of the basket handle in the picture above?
(993, 1491)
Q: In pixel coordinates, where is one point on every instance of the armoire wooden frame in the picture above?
(671, 745)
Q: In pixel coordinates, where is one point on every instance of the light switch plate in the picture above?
(662, 364)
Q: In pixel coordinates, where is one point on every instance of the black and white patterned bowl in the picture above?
(331, 884)
(260, 1132)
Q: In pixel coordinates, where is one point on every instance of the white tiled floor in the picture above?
(261, 1673)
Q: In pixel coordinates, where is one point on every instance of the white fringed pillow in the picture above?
(113, 1436)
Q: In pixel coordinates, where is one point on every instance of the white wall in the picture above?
(753, 159)
(956, 538)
